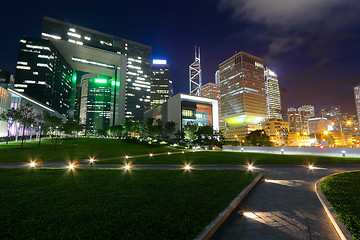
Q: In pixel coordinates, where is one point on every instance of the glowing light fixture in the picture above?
(151, 154)
(250, 167)
(127, 167)
(32, 164)
(91, 160)
(311, 166)
(71, 166)
(169, 153)
(187, 167)
(126, 156)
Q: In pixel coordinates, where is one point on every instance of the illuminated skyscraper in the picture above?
(211, 90)
(217, 77)
(306, 112)
(243, 96)
(160, 82)
(357, 101)
(195, 75)
(272, 95)
(43, 74)
(242, 87)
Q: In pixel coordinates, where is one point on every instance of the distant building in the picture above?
(277, 130)
(243, 94)
(160, 83)
(357, 101)
(183, 109)
(284, 106)
(306, 112)
(295, 139)
(294, 120)
(211, 90)
(217, 77)
(195, 79)
(238, 133)
(318, 125)
(5, 100)
(272, 94)
(6, 79)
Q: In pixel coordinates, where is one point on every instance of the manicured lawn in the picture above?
(75, 149)
(218, 157)
(112, 204)
(343, 192)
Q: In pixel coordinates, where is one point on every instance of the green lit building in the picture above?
(99, 95)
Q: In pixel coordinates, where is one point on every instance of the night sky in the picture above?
(313, 45)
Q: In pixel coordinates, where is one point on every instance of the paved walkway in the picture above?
(285, 206)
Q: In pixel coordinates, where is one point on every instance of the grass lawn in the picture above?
(218, 157)
(343, 192)
(112, 204)
(75, 149)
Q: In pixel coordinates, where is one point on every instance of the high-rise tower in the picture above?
(272, 94)
(195, 74)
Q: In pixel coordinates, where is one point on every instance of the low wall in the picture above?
(337, 152)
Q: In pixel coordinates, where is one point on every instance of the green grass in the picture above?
(343, 192)
(112, 204)
(78, 148)
(232, 158)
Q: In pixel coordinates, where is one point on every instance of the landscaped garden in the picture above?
(114, 204)
(75, 149)
(343, 192)
(233, 158)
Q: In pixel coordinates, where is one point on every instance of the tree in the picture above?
(10, 116)
(190, 130)
(158, 127)
(41, 121)
(149, 127)
(26, 117)
(169, 128)
(258, 138)
(131, 126)
(55, 123)
(206, 133)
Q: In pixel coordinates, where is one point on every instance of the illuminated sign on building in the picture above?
(159, 61)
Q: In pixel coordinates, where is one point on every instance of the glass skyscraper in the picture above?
(95, 52)
(160, 82)
(43, 74)
(272, 94)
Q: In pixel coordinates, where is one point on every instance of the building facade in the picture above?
(284, 106)
(277, 130)
(183, 109)
(294, 120)
(306, 112)
(160, 82)
(272, 94)
(243, 94)
(43, 74)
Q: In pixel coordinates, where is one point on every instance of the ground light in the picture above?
(311, 166)
(126, 156)
(71, 166)
(91, 160)
(169, 153)
(187, 167)
(151, 154)
(250, 167)
(32, 164)
(127, 167)
(182, 152)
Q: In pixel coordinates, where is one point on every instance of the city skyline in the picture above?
(302, 57)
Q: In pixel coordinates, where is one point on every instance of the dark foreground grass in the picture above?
(112, 204)
(74, 149)
(343, 192)
(232, 158)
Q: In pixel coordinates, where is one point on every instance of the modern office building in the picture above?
(242, 87)
(212, 90)
(238, 133)
(306, 112)
(284, 106)
(294, 120)
(183, 109)
(243, 94)
(160, 82)
(272, 94)
(94, 52)
(43, 74)
(195, 79)
(98, 108)
(277, 130)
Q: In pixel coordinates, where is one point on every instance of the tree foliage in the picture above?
(258, 138)
(190, 130)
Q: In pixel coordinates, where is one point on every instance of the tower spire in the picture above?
(195, 81)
